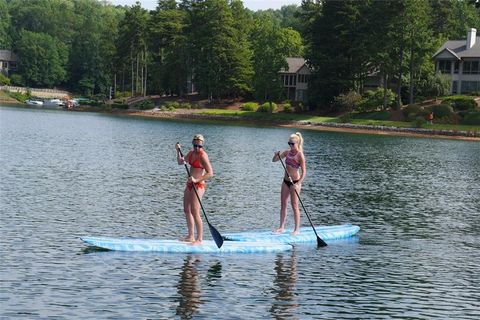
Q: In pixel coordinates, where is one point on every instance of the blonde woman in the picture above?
(296, 167)
(200, 171)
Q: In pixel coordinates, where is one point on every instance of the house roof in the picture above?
(294, 64)
(459, 49)
(7, 55)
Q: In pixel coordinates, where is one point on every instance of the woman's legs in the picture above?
(283, 208)
(296, 209)
(187, 209)
(195, 210)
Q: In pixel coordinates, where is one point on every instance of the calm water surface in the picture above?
(64, 175)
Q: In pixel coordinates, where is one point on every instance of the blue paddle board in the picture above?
(175, 246)
(306, 234)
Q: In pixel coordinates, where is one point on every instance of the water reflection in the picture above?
(284, 303)
(189, 288)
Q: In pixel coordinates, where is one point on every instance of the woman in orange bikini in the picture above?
(294, 161)
(200, 171)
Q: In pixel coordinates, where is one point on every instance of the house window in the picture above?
(301, 78)
(13, 65)
(470, 86)
(445, 66)
(454, 86)
(471, 67)
(456, 66)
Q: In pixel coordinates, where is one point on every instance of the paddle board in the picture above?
(306, 234)
(175, 246)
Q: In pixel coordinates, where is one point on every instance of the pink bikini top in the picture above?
(291, 160)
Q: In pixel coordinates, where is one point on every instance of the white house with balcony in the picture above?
(460, 61)
(8, 62)
(295, 79)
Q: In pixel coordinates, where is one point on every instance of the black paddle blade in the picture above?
(217, 237)
(320, 242)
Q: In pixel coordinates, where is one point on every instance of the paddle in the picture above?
(217, 237)
(320, 242)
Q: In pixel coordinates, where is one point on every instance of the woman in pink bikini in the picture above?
(200, 171)
(294, 160)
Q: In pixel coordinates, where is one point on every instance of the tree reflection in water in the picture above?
(284, 304)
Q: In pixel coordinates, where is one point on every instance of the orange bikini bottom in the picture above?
(198, 185)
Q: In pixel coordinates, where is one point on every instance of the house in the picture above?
(460, 61)
(295, 79)
(8, 62)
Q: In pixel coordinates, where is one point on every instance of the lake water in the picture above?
(65, 175)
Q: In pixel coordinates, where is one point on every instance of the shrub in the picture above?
(287, 107)
(4, 80)
(170, 106)
(120, 106)
(17, 80)
(268, 107)
(411, 110)
(124, 94)
(185, 105)
(299, 108)
(19, 96)
(347, 101)
(379, 115)
(374, 100)
(144, 105)
(461, 103)
(346, 117)
(442, 111)
(419, 122)
(472, 118)
(250, 106)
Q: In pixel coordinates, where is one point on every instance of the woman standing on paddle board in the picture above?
(295, 162)
(200, 171)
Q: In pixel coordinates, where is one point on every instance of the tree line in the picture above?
(227, 50)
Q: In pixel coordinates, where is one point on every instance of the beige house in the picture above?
(459, 60)
(295, 79)
(8, 62)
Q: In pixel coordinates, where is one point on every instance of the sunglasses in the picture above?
(197, 146)
(291, 143)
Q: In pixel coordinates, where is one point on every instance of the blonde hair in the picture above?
(198, 137)
(298, 136)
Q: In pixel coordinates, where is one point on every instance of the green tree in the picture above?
(272, 44)
(93, 47)
(43, 57)
(5, 39)
(222, 65)
(169, 44)
(337, 47)
(132, 46)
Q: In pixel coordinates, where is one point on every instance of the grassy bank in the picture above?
(288, 117)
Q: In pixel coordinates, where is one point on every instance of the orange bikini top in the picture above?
(196, 163)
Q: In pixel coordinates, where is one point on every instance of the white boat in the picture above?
(53, 103)
(32, 102)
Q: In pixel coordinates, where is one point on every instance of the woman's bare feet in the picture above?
(196, 243)
(279, 230)
(187, 239)
(295, 233)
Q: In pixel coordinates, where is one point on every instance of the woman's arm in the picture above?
(180, 159)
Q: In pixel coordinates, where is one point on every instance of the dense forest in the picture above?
(227, 50)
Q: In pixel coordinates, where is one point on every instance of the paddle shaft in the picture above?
(217, 237)
(320, 242)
